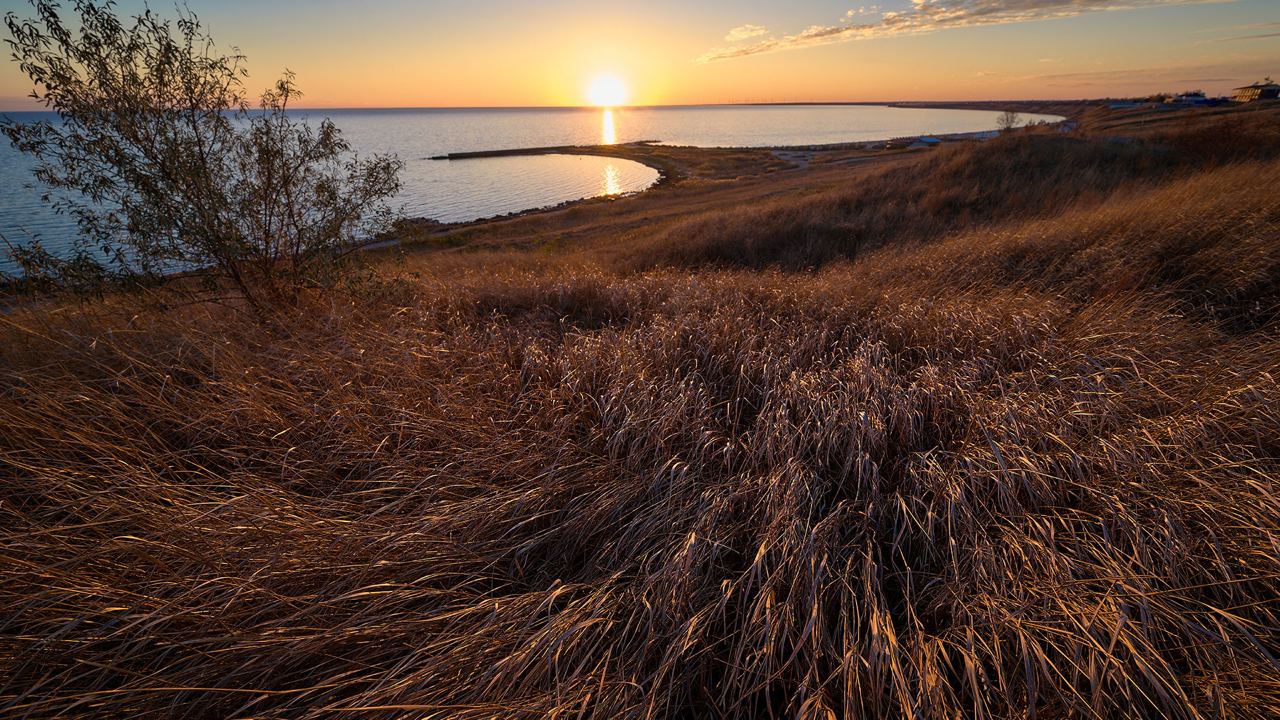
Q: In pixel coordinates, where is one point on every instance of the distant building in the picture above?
(1265, 90)
(1189, 98)
(912, 142)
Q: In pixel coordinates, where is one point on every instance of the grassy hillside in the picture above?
(959, 187)
(991, 432)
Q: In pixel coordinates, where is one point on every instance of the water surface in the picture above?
(463, 190)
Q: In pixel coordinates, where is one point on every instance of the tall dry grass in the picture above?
(1026, 469)
(958, 187)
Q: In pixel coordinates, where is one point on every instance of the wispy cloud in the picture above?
(1172, 77)
(745, 32)
(1250, 37)
(1102, 77)
(931, 15)
(1244, 26)
(860, 11)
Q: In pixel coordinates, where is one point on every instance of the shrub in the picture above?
(1007, 121)
(166, 168)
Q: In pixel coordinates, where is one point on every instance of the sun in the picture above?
(607, 91)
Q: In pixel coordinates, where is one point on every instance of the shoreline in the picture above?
(667, 173)
(670, 173)
(677, 164)
(840, 145)
(693, 180)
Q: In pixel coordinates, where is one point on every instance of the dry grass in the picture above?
(1023, 463)
(959, 186)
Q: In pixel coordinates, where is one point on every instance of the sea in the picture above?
(472, 189)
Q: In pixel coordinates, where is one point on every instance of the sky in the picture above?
(517, 53)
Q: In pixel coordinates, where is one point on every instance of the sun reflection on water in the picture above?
(612, 181)
(608, 132)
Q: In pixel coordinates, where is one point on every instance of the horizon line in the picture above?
(671, 105)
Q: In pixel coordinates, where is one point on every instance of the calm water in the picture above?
(460, 190)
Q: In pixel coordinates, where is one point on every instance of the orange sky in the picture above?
(398, 53)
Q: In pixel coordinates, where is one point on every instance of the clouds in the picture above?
(1143, 79)
(1250, 37)
(1273, 27)
(924, 16)
(745, 32)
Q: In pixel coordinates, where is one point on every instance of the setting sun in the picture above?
(607, 91)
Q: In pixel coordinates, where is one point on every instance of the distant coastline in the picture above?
(1027, 106)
